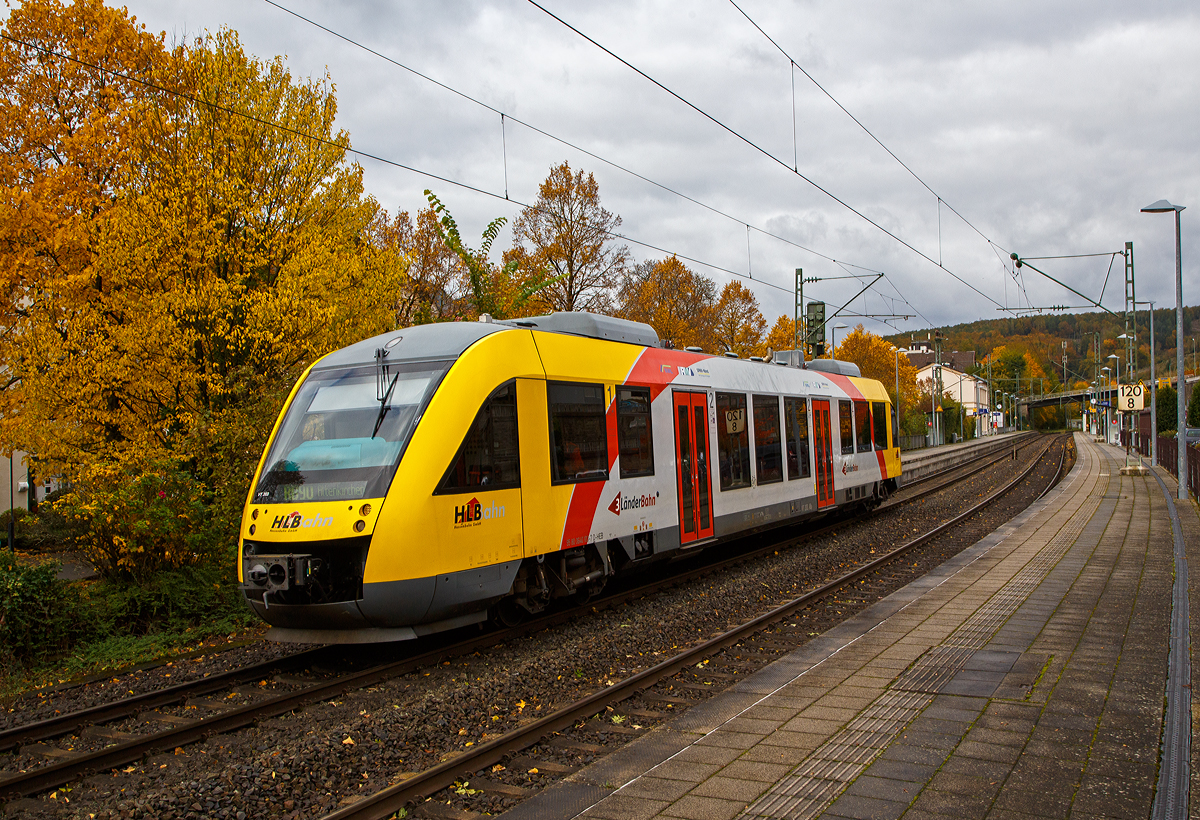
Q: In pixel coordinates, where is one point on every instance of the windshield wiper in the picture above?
(382, 394)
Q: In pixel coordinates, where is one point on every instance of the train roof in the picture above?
(594, 326)
(435, 342)
(447, 340)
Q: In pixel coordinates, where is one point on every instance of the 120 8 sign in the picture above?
(1131, 397)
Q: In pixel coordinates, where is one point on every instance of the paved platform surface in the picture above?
(1022, 679)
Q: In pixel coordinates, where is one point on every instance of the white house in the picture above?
(967, 390)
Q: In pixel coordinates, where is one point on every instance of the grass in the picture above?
(120, 653)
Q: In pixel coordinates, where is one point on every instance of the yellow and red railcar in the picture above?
(435, 476)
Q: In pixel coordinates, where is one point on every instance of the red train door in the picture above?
(823, 451)
(691, 458)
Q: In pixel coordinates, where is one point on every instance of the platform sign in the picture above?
(1132, 397)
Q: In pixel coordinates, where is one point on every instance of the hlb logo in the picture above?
(473, 513)
(633, 503)
(295, 521)
(468, 512)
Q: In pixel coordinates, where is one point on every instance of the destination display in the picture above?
(325, 491)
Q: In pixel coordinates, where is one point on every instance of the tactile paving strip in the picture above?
(941, 663)
(821, 777)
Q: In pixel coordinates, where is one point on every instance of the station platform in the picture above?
(1025, 678)
(920, 463)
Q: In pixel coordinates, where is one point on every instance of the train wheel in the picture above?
(509, 613)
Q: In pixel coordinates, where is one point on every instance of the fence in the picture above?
(1168, 456)
(913, 442)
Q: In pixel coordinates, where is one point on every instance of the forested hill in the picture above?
(1043, 337)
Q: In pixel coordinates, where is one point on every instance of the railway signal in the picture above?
(814, 323)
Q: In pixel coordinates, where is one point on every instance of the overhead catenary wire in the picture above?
(859, 123)
(560, 140)
(755, 146)
(505, 117)
(361, 153)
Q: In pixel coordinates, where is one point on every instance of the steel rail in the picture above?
(386, 802)
(1020, 440)
(1062, 458)
(68, 769)
(105, 712)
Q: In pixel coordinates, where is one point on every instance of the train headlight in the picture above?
(364, 510)
(258, 575)
(252, 529)
(254, 514)
(360, 525)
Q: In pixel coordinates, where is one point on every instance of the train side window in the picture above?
(862, 425)
(879, 415)
(733, 441)
(846, 423)
(795, 418)
(634, 439)
(488, 457)
(768, 453)
(578, 433)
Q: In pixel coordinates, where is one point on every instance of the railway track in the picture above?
(245, 704)
(462, 768)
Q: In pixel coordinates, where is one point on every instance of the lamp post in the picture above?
(833, 347)
(1162, 207)
(897, 391)
(1108, 392)
(1153, 393)
(1114, 379)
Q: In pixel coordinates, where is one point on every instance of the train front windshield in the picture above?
(339, 440)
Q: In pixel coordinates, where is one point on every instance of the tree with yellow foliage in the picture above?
(739, 324)
(435, 280)
(676, 301)
(783, 335)
(568, 235)
(173, 262)
(876, 359)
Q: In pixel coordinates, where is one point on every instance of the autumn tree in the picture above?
(739, 324)
(673, 299)
(568, 235)
(176, 260)
(783, 335)
(436, 281)
(876, 359)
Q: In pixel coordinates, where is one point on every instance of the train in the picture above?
(443, 475)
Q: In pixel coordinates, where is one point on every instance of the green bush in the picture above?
(169, 601)
(39, 614)
(41, 531)
(1167, 410)
(133, 521)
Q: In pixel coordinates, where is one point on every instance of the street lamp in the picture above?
(1116, 381)
(1125, 337)
(1162, 207)
(1153, 392)
(833, 347)
(1108, 392)
(897, 391)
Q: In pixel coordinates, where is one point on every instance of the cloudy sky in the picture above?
(1042, 128)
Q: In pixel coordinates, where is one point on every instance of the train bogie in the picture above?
(424, 479)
